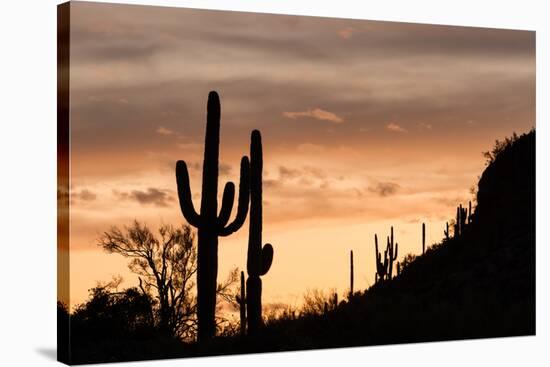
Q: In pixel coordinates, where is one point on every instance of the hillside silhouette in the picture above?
(479, 283)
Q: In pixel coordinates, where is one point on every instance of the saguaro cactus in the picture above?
(210, 225)
(392, 256)
(446, 231)
(259, 258)
(241, 300)
(423, 238)
(469, 212)
(381, 266)
(457, 223)
(351, 274)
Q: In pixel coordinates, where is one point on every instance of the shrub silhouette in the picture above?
(210, 225)
(126, 314)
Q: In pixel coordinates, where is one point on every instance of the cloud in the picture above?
(316, 113)
(164, 131)
(392, 126)
(191, 147)
(151, 196)
(346, 32)
(288, 173)
(85, 195)
(384, 189)
(269, 183)
(425, 126)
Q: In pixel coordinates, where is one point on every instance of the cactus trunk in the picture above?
(423, 238)
(241, 300)
(351, 274)
(259, 258)
(210, 225)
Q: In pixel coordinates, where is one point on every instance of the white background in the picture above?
(28, 182)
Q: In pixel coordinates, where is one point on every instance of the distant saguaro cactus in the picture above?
(446, 231)
(392, 256)
(463, 213)
(469, 212)
(423, 238)
(259, 258)
(351, 274)
(241, 300)
(457, 223)
(381, 266)
(210, 225)
(462, 218)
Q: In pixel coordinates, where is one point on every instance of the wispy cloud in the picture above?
(164, 131)
(315, 113)
(85, 195)
(393, 127)
(425, 126)
(151, 196)
(288, 173)
(385, 188)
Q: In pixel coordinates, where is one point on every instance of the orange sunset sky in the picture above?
(365, 124)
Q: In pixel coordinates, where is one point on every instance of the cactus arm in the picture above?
(184, 194)
(227, 204)
(267, 258)
(244, 196)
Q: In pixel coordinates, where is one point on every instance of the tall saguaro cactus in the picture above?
(210, 225)
(351, 274)
(259, 258)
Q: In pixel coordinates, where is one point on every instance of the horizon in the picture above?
(365, 125)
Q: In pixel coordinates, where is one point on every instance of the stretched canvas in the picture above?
(235, 182)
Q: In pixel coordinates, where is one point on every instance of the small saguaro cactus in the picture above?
(210, 225)
(423, 238)
(457, 223)
(469, 212)
(241, 300)
(392, 255)
(259, 258)
(351, 274)
(463, 218)
(381, 266)
(446, 231)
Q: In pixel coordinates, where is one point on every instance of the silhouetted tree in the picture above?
(166, 267)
